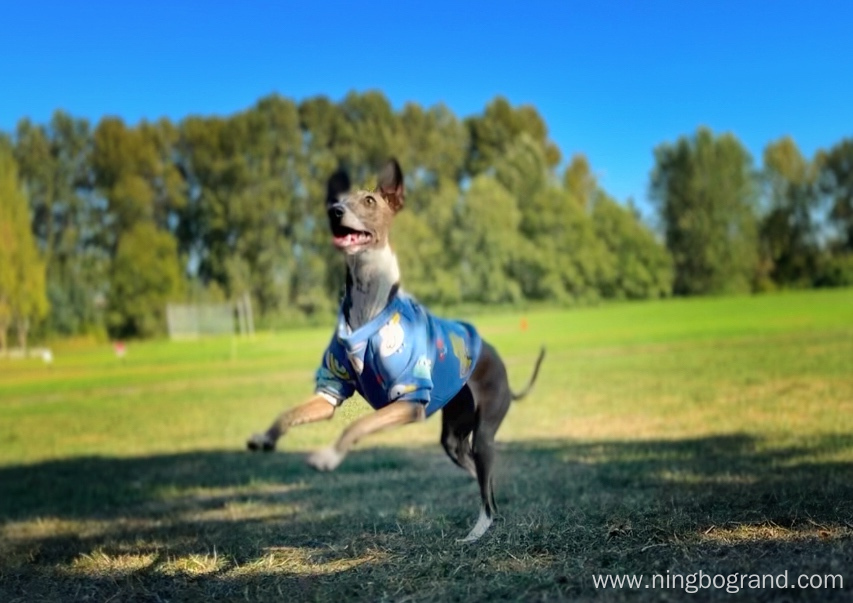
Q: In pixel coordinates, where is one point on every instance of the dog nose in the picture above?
(336, 211)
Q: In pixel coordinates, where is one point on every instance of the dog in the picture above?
(405, 362)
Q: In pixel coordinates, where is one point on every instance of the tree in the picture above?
(523, 171)
(579, 181)
(68, 220)
(433, 158)
(373, 132)
(836, 175)
(492, 133)
(569, 261)
(22, 271)
(486, 245)
(10, 196)
(787, 230)
(643, 266)
(234, 204)
(134, 171)
(434, 154)
(704, 190)
(249, 226)
(423, 241)
(559, 256)
(145, 274)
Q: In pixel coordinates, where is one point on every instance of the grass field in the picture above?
(709, 435)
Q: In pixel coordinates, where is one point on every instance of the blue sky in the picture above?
(612, 79)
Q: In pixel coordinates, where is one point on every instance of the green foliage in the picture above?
(144, 276)
(643, 267)
(22, 271)
(789, 246)
(836, 271)
(488, 243)
(67, 220)
(244, 177)
(491, 215)
(435, 151)
(579, 181)
(836, 166)
(522, 169)
(577, 250)
(134, 171)
(568, 241)
(558, 257)
(705, 192)
(498, 128)
(423, 244)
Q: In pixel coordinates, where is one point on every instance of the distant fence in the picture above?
(190, 321)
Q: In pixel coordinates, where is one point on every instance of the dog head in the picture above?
(361, 219)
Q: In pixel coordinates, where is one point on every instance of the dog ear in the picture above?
(391, 184)
(338, 183)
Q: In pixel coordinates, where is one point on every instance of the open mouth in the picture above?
(344, 237)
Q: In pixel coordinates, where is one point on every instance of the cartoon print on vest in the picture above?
(325, 374)
(355, 358)
(336, 368)
(442, 351)
(398, 390)
(357, 364)
(391, 336)
(460, 350)
(423, 368)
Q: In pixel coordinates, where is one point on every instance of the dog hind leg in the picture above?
(457, 423)
(484, 457)
(492, 397)
(459, 451)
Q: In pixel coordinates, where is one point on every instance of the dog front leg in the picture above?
(317, 408)
(393, 415)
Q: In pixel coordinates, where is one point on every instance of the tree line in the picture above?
(103, 224)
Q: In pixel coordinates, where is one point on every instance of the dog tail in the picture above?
(526, 390)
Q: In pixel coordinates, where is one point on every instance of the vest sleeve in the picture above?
(335, 375)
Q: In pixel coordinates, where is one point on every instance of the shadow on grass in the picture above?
(230, 525)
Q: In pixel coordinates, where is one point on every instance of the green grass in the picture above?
(677, 436)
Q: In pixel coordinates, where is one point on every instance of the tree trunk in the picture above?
(23, 329)
(5, 322)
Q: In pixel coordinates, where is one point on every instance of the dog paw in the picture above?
(326, 459)
(260, 442)
(483, 524)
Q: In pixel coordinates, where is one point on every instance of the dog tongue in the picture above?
(348, 239)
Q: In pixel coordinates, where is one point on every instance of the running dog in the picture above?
(405, 362)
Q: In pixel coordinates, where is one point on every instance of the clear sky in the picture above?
(612, 79)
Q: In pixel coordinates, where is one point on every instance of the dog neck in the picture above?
(373, 278)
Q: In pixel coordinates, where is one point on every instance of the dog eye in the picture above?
(369, 200)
